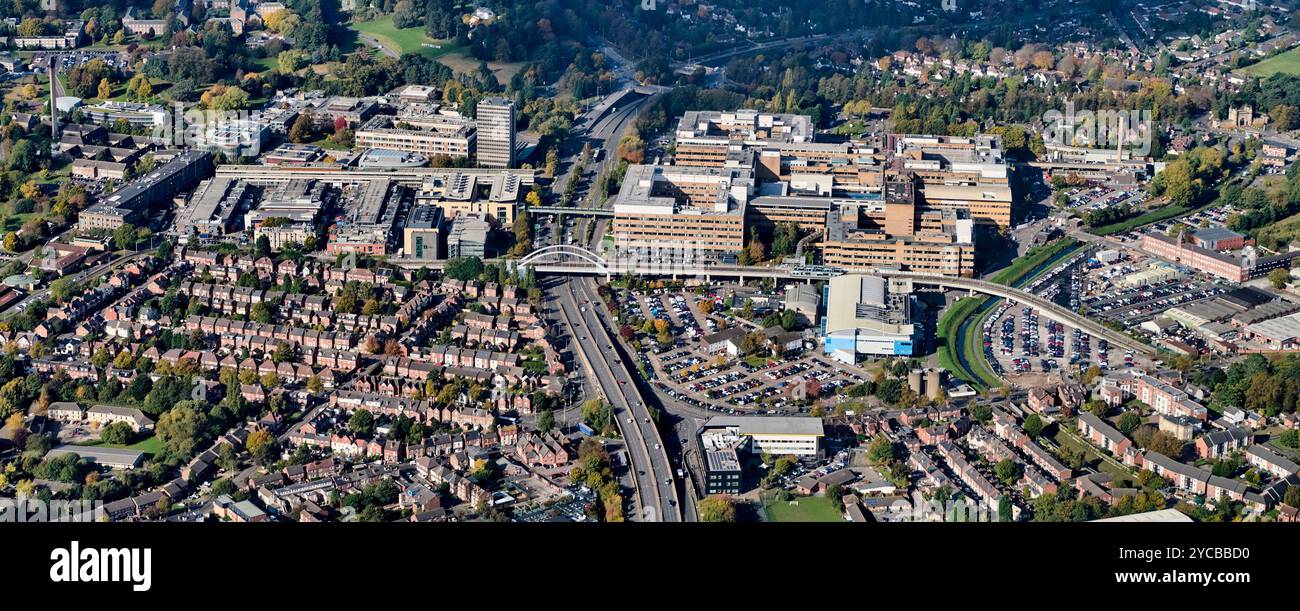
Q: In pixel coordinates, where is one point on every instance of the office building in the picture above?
(468, 236)
(496, 133)
(955, 172)
(772, 435)
(231, 138)
(895, 233)
(707, 138)
(431, 136)
(422, 234)
(492, 196)
(722, 472)
(136, 115)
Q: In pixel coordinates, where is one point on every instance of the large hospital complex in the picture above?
(903, 201)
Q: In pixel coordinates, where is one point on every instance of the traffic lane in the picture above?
(618, 378)
(664, 484)
(622, 402)
(642, 465)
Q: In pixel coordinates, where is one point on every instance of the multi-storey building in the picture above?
(129, 204)
(699, 210)
(431, 135)
(894, 234)
(496, 133)
(494, 196)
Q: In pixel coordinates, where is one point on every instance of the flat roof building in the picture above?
(496, 132)
(468, 236)
(864, 316)
(129, 203)
(431, 136)
(699, 211)
(113, 458)
(773, 435)
(423, 232)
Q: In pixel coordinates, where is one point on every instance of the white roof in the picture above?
(1163, 515)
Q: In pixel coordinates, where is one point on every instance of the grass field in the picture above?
(150, 445)
(1279, 234)
(1287, 62)
(803, 509)
(447, 52)
(1067, 439)
(402, 41)
(955, 346)
(1013, 274)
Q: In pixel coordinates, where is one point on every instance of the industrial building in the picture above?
(867, 315)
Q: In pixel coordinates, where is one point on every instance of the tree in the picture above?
(1292, 496)
(1128, 422)
(1008, 471)
(124, 236)
(1279, 277)
(463, 268)
(314, 385)
(598, 415)
(301, 130)
(143, 88)
(117, 433)
(105, 89)
(1166, 444)
(717, 508)
(180, 430)
(1033, 425)
(270, 380)
(292, 60)
(546, 421)
(65, 288)
(261, 444)
(262, 248)
(282, 21)
(362, 422)
(261, 313)
(881, 450)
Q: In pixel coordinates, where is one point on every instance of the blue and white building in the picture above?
(865, 315)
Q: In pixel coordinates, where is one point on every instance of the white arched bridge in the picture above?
(576, 260)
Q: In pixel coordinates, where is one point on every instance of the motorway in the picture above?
(656, 492)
